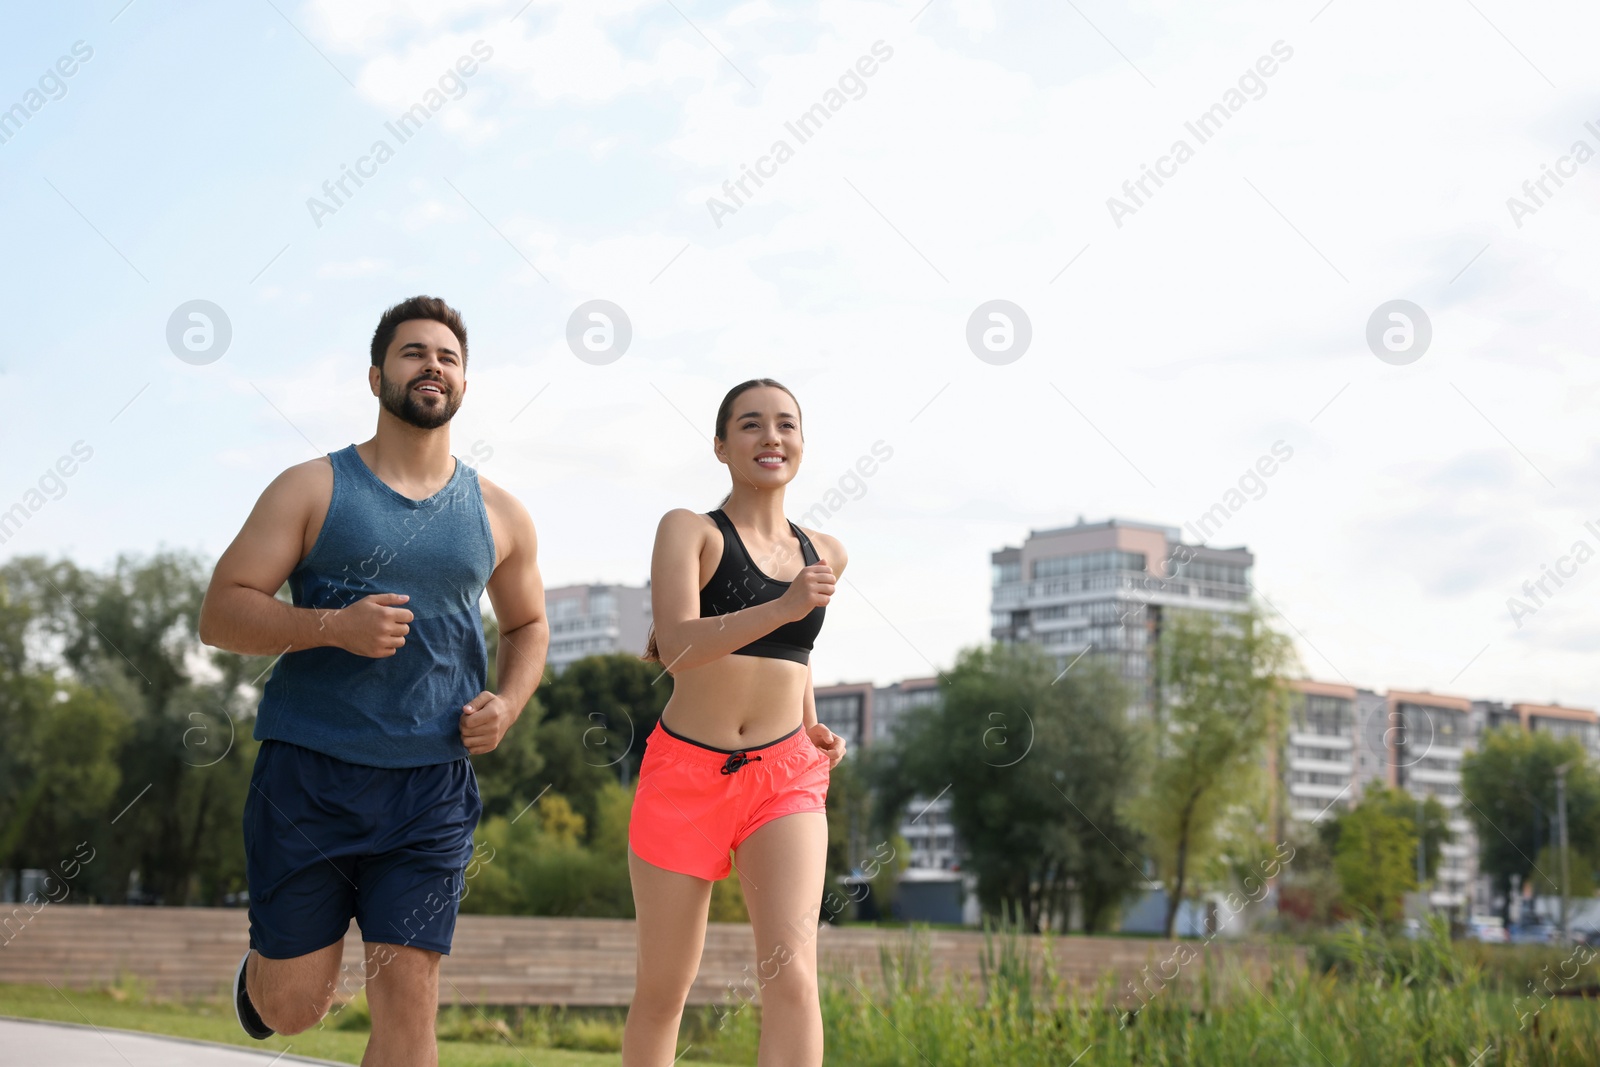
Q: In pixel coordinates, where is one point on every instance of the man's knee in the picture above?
(293, 1012)
(403, 976)
(292, 995)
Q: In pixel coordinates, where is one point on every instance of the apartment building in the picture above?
(1428, 734)
(846, 709)
(1578, 723)
(1100, 589)
(865, 714)
(1323, 736)
(1343, 737)
(590, 620)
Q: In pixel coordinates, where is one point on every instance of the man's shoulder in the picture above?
(307, 485)
(314, 473)
(507, 514)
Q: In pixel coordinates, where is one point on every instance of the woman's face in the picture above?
(763, 444)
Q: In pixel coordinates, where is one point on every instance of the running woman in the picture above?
(363, 800)
(738, 761)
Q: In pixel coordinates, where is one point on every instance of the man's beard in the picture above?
(402, 402)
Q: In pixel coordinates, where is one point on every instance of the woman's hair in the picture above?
(724, 412)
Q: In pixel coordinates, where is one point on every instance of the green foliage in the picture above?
(1375, 861)
(1308, 892)
(1546, 876)
(861, 837)
(58, 766)
(137, 727)
(111, 709)
(1219, 700)
(512, 775)
(613, 701)
(537, 866)
(1410, 1003)
(1036, 771)
(1509, 782)
(571, 768)
(1432, 827)
(727, 900)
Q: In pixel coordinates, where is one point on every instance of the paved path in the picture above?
(26, 1044)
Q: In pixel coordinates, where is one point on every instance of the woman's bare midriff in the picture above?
(737, 701)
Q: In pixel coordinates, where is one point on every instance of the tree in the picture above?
(616, 699)
(58, 770)
(1433, 827)
(862, 839)
(1219, 699)
(1309, 889)
(1375, 860)
(1037, 770)
(1509, 783)
(130, 635)
(510, 777)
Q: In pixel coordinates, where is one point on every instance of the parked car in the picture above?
(1491, 931)
(1534, 934)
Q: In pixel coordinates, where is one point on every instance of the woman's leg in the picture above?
(671, 910)
(786, 859)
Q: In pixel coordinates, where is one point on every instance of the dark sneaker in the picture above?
(246, 1011)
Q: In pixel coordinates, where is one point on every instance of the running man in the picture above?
(363, 801)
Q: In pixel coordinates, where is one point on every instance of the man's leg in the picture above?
(411, 888)
(292, 995)
(403, 995)
(297, 829)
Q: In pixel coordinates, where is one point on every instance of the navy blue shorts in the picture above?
(326, 840)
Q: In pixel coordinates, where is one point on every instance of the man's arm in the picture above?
(241, 611)
(516, 593)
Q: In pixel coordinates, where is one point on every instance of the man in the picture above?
(363, 801)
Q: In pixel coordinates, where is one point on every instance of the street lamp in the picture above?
(1561, 825)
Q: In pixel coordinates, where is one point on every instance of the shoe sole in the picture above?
(241, 999)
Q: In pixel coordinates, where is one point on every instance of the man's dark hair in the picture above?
(418, 307)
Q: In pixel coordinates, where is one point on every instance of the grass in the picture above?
(546, 1037)
(1426, 1002)
(1370, 1001)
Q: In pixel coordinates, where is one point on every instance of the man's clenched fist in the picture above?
(485, 721)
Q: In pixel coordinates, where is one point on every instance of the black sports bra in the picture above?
(737, 583)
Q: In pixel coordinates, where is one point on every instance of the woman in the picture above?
(738, 761)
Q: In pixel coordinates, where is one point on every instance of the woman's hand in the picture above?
(812, 588)
(829, 742)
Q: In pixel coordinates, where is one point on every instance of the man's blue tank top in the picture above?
(402, 710)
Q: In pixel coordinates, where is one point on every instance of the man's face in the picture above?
(423, 379)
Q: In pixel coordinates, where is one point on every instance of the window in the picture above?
(1089, 563)
(1318, 778)
(1318, 752)
(1328, 716)
(1201, 570)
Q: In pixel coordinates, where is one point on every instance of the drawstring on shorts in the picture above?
(737, 760)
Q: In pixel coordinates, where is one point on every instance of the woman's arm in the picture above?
(829, 743)
(810, 718)
(831, 552)
(683, 638)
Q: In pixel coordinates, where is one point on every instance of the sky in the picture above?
(1314, 163)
